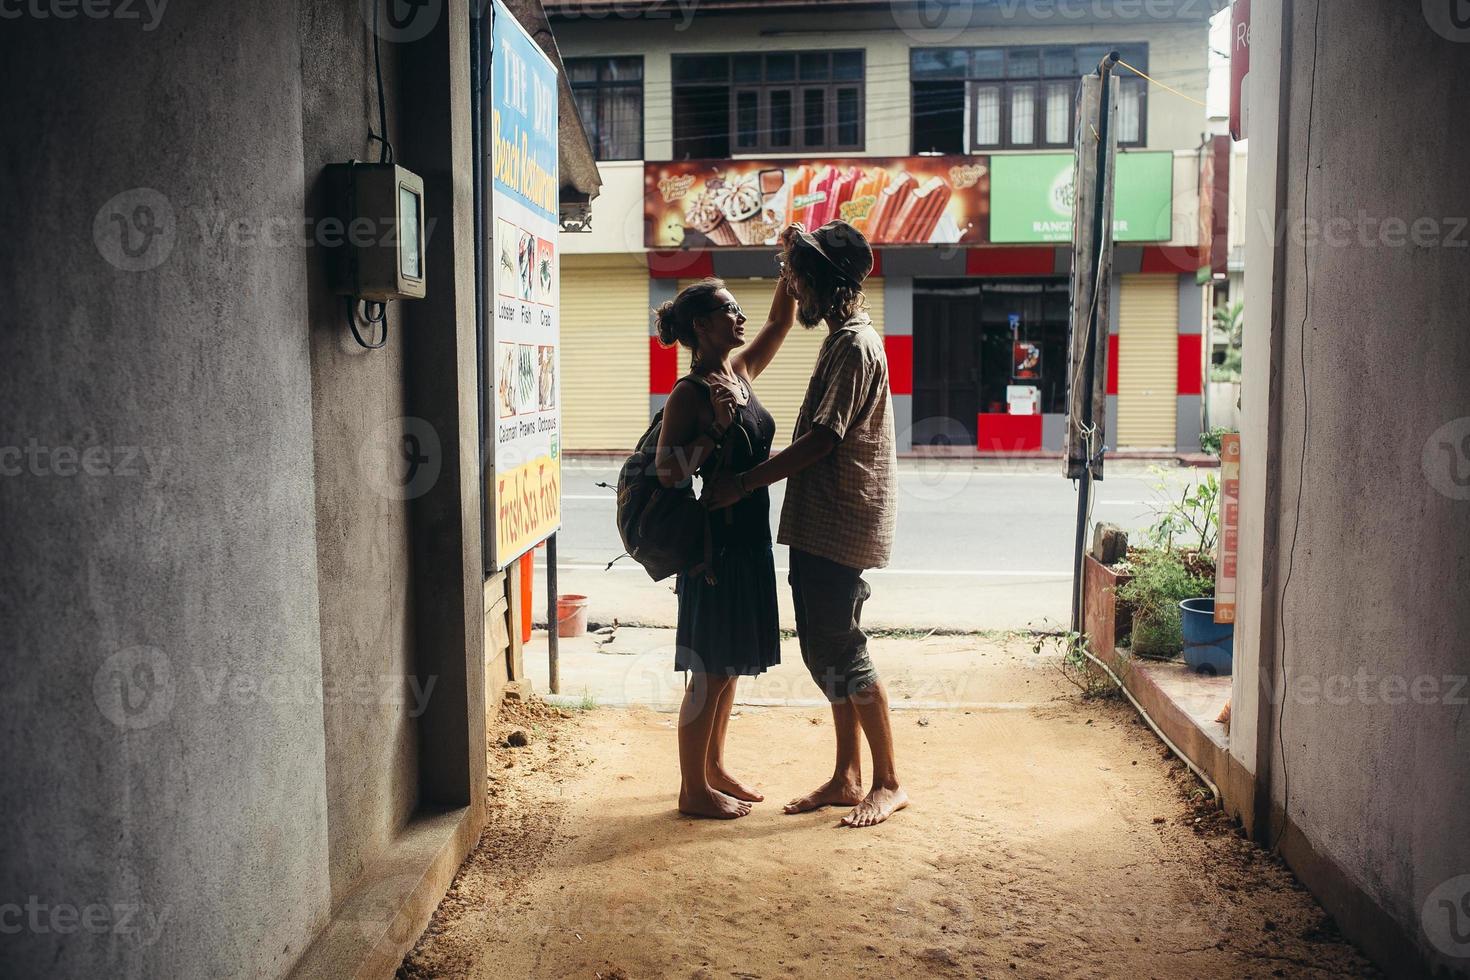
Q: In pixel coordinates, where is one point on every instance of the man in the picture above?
(838, 517)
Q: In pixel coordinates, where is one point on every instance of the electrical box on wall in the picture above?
(379, 253)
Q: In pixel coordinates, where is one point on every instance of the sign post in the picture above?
(1092, 274)
(524, 359)
(1240, 69)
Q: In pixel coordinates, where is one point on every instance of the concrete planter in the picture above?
(1100, 602)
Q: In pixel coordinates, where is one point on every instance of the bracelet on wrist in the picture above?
(740, 482)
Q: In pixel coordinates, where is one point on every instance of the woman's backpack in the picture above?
(666, 529)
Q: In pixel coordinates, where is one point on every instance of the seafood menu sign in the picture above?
(942, 200)
(524, 361)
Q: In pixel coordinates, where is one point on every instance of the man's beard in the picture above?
(808, 313)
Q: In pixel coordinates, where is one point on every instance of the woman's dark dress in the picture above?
(731, 627)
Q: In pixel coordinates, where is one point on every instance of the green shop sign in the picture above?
(1031, 198)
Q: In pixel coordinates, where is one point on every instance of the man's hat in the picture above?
(844, 248)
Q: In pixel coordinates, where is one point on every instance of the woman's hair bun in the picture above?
(664, 319)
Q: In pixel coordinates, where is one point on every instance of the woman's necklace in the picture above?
(742, 393)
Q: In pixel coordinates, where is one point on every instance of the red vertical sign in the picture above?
(1240, 68)
(1225, 565)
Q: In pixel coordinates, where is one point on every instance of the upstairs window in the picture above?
(968, 100)
(609, 95)
(772, 102)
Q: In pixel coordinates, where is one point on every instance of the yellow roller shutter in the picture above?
(783, 384)
(1148, 361)
(604, 351)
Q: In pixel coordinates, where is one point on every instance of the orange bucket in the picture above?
(571, 615)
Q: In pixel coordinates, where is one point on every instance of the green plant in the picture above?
(1076, 663)
(1229, 320)
(588, 702)
(1209, 442)
(1161, 579)
(1190, 522)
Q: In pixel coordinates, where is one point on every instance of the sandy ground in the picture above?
(1055, 841)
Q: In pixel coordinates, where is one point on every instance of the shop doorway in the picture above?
(965, 354)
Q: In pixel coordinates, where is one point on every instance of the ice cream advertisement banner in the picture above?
(1032, 197)
(524, 361)
(893, 200)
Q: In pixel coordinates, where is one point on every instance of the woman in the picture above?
(727, 619)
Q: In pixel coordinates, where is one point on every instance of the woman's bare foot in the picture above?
(711, 803)
(834, 792)
(723, 782)
(882, 803)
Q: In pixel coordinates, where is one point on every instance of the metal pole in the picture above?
(1089, 360)
(553, 617)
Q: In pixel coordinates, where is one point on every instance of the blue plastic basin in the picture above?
(1209, 647)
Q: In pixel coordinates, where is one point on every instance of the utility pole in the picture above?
(1092, 274)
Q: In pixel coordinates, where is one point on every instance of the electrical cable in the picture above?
(1306, 435)
(385, 153)
(374, 312)
(381, 318)
(1166, 88)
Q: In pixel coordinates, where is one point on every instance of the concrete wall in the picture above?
(161, 611)
(214, 685)
(1360, 615)
(362, 528)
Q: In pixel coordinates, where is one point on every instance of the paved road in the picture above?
(981, 544)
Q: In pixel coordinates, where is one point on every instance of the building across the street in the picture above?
(947, 138)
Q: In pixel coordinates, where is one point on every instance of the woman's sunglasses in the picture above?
(731, 308)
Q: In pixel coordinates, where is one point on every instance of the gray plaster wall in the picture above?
(362, 491)
(1378, 554)
(209, 729)
(163, 754)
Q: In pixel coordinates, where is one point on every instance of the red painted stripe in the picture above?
(900, 351)
(1008, 433)
(1191, 368)
(1171, 258)
(1010, 261)
(1112, 388)
(680, 264)
(663, 367)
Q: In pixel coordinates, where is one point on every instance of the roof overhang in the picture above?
(1155, 10)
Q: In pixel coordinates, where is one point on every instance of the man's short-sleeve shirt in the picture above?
(843, 507)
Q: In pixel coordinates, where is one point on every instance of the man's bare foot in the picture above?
(834, 792)
(711, 803)
(877, 807)
(721, 781)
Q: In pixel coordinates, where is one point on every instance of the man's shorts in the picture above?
(829, 601)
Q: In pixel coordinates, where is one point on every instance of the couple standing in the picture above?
(838, 517)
